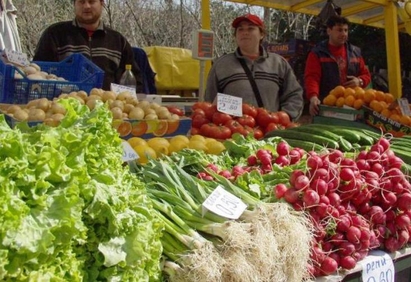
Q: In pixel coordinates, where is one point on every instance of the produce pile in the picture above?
(356, 201)
(70, 210)
(209, 122)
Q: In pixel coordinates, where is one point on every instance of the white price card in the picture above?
(404, 106)
(225, 204)
(377, 266)
(230, 104)
(117, 88)
(128, 152)
(16, 57)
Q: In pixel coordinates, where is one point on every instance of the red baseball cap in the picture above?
(248, 17)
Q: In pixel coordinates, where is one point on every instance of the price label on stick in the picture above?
(128, 152)
(223, 203)
(377, 266)
(118, 88)
(230, 104)
(404, 106)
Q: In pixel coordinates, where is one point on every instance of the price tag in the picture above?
(404, 106)
(17, 58)
(377, 266)
(230, 104)
(128, 152)
(117, 88)
(224, 204)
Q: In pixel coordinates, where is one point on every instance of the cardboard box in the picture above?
(147, 129)
(345, 113)
(385, 124)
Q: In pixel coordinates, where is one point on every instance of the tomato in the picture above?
(209, 112)
(284, 118)
(198, 120)
(215, 131)
(201, 105)
(246, 120)
(175, 110)
(221, 118)
(235, 127)
(197, 112)
(249, 110)
(270, 127)
(194, 131)
(264, 118)
(258, 133)
(248, 130)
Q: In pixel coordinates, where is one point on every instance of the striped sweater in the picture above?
(106, 47)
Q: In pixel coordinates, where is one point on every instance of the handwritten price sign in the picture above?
(404, 106)
(224, 204)
(128, 152)
(229, 104)
(377, 267)
(118, 88)
(17, 58)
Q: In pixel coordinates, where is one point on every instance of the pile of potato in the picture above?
(122, 106)
(34, 72)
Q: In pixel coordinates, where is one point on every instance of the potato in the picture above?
(117, 113)
(124, 95)
(144, 104)
(96, 91)
(29, 70)
(56, 108)
(82, 94)
(131, 100)
(127, 108)
(154, 105)
(12, 109)
(21, 115)
(35, 76)
(136, 113)
(108, 95)
(36, 66)
(36, 114)
(91, 103)
(43, 104)
(151, 117)
(148, 111)
(117, 104)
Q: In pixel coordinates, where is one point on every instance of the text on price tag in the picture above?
(118, 88)
(404, 106)
(230, 104)
(16, 57)
(224, 204)
(377, 266)
(128, 152)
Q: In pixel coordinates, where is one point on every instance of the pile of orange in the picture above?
(374, 99)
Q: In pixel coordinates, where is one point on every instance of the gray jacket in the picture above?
(277, 84)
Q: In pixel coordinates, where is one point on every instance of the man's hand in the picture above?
(314, 102)
(352, 81)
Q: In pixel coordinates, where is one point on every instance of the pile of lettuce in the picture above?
(69, 209)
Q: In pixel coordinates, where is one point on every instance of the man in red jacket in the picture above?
(333, 62)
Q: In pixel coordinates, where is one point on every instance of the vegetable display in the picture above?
(70, 210)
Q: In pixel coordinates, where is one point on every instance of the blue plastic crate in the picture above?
(80, 73)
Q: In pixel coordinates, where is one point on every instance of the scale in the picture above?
(203, 50)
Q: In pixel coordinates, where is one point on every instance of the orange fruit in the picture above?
(338, 91)
(359, 92)
(139, 128)
(349, 100)
(330, 100)
(386, 112)
(369, 95)
(380, 96)
(124, 128)
(349, 92)
(389, 98)
(395, 117)
(340, 102)
(172, 126)
(161, 128)
(406, 120)
(376, 106)
(358, 104)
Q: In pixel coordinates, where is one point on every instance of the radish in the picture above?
(279, 190)
(343, 224)
(319, 185)
(347, 262)
(328, 266)
(291, 195)
(353, 234)
(311, 198)
(294, 175)
(301, 182)
(402, 221)
(252, 160)
(404, 202)
(283, 149)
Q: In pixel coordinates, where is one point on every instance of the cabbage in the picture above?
(69, 209)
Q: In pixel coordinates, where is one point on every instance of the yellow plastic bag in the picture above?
(174, 67)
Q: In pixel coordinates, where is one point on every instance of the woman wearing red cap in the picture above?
(275, 85)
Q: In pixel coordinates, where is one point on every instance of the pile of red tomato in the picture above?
(209, 122)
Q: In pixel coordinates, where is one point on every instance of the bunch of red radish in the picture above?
(262, 161)
(355, 205)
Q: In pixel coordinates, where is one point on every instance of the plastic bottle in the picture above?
(127, 78)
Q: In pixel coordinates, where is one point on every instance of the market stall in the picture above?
(390, 15)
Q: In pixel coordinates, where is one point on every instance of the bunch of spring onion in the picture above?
(269, 242)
